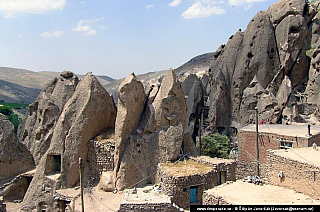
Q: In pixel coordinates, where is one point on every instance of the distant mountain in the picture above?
(197, 64)
(23, 86)
(200, 63)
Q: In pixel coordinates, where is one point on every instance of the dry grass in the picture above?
(108, 134)
(183, 168)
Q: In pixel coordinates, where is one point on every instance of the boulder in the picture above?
(284, 92)
(106, 182)
(291, 34)
(194, 105)
(276, 47)
(187, 83)
(14, 156)
(189, 145)
(88, 113)
(131, 100)
(37, 130)
(250, 98)
(156, 134)
(169, 104)
(170, 141)
(283, 8)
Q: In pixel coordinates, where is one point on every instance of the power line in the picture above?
(183, 156)
(251, 157)
(305, 160)
(101, 202)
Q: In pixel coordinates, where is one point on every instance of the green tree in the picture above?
(6, 110)
(13, 118)
(215, 145)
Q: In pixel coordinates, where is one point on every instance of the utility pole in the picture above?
(257, 140)
(81, 185)
(199, 134)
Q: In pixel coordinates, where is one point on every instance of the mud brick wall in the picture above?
(227, 165)
(178, 188)
(135, 207)
(299, 176)
(100, 158)
(209, 198)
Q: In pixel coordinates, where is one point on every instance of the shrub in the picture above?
(13, 118)
(215, 145)
(6, 110)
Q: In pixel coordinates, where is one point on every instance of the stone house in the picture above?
(272, 137)
(146, 199)
(184, 182)
(296, 168)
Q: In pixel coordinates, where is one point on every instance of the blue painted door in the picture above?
(193, 194)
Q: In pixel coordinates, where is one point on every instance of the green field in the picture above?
(15, 105)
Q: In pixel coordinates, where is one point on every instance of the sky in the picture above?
(117, 37)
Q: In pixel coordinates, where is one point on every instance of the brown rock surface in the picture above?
(14, 156)
(87, 113)
(275, 47)
(37, 130)
(156, 135)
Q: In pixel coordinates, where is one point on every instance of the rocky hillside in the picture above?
(23, 86)
(198, 64)
(272, 65)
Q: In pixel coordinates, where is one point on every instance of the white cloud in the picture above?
(82, 2)
(103, 27)
(89, 33)
(248, 7)
(212, 2)
(241, 2)
(84, 27)
(58, 33)
(198, 10)
(149, 6)
(12, 7)
(174, 3)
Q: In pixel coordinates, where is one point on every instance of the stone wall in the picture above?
(246, 163)
(299, 176)
(3, 207)
(100, 158)
(178, 188)
(141, 207)
(210, 198)
(220, 165)
(245, 169)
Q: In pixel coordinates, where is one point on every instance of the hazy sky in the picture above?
(116, 37)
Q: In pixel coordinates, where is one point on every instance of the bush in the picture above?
(6, 110)
(215, 145)
(13, 118)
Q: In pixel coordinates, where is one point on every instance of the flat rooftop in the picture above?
(144, 195)
(185, 168)
(244, 193)
(305, 155)
(297, 130)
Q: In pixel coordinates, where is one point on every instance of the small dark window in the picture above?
(53, 164)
